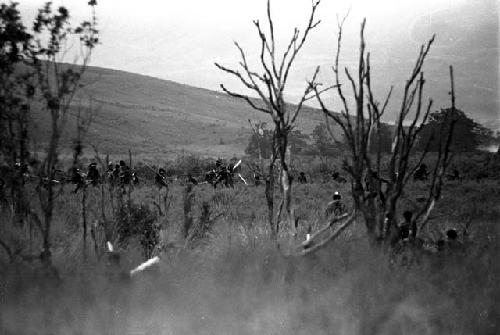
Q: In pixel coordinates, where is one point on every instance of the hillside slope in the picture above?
(159, 118)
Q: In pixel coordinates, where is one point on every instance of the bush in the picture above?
(138, 221)
(476, 166)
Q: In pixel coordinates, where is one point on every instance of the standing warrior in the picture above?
(338, 178)
(116, 174)
(161, 178)
(77, 178)
(125, 173)
(453, 245)
(93, 174)
(192, 179)
(109, 173)
(336, 206)
(256, 179)
(408, 228)
(302, 178)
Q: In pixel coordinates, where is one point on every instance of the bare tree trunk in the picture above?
(286, 187)
(269, 86)
(270, 201)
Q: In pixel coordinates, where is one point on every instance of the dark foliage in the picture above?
(468, 134)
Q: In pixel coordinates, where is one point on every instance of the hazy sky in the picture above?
(180, 40)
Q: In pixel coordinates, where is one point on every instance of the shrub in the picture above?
(138, 221)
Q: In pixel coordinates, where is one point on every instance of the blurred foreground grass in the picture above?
(236, 282)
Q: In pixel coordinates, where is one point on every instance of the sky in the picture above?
(181, 40)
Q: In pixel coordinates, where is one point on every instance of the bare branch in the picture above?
(320, 239)
(310, 26)
(237, 74)
(246, 98)
(335, 68)
(309, 88)
(443, 159)
(353, 83)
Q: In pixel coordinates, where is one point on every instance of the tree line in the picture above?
(470, 136)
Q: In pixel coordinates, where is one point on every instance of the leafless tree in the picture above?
(269, 83)
(377, 199)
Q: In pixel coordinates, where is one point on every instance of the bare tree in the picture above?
(269, 83)
(375, 198)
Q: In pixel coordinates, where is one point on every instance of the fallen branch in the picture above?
(325, 235)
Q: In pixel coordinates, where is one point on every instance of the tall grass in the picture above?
(238, 283)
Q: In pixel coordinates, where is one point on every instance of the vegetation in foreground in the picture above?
(232, 280)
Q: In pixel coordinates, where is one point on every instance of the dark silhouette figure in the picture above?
(161, 178)
(211, 178)
(302, 178)
(109, 173)
(192, 179)
(125, 173)
(223, 175)
(336, 206)
(408, 228)
(78, 179)
(135, 178)
(421, 174)
(452, 243)
(116, 174)
(338, 178)
(93, 175)
(256, 178)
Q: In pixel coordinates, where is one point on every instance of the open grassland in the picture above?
(160, 118)
(233, 281)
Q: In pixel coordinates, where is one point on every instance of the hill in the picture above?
(160, 118)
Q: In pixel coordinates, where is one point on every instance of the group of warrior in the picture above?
(222, 174)
(119, 174)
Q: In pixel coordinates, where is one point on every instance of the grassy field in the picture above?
(233, 281)
(161, 118)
